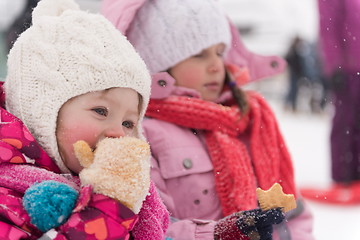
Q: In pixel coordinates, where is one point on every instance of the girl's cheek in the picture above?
(71, 135)
(89, 134)
(188, 77)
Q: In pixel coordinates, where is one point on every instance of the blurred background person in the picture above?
(295, 60)
(305, 73)
(340, 44)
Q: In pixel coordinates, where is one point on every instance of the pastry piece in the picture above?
(274, 198)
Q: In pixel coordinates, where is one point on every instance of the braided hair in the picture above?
(238, 94)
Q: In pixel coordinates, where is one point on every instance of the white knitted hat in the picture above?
(165, 32)
(66, 53)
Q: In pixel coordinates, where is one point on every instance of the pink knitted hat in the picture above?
(123, 14)
(165, 32)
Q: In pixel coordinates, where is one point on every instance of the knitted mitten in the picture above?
(49, 203)
(249, 225)
(226, 228)
(118, 168)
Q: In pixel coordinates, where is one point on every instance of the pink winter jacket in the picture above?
(183, 172)
(181, 167)
(23, 162)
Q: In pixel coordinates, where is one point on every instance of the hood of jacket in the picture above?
(23, 162)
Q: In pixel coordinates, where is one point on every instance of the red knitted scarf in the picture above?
(260, 158)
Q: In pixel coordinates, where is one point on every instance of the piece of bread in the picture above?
(274, 198)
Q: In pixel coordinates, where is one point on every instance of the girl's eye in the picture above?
(101, 111)
(201, 54)
(128, 124)
(220, 54)
(220, 50)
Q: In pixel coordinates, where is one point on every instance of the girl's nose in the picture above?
(213, 68)
(115, 131)
(216, 64)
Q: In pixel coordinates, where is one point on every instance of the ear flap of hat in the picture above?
(259, 66)
(121, 13)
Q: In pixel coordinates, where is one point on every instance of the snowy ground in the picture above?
(307, 137)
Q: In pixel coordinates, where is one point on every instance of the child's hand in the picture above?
(251, 224)
(49, 204)
(259, 223)
(119, 168)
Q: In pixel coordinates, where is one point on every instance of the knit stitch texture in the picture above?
(238, 168)
(66, 53)
(164, 39)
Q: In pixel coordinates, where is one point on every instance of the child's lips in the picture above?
(214, 86)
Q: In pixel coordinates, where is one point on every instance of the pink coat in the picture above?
(23, 162)
(183, 173)
(181, 167)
